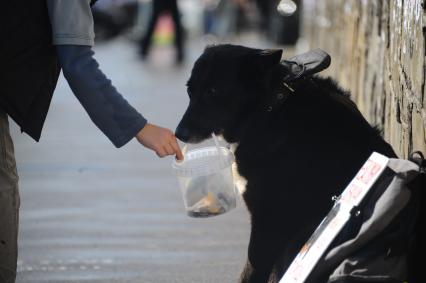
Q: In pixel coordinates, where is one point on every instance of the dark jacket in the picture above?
(29, 66)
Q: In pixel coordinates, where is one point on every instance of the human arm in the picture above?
(72, 28)
(117, 119)
(111, 113)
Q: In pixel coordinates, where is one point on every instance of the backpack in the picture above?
(383, 239)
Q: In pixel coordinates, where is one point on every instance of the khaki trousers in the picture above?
(9, 205)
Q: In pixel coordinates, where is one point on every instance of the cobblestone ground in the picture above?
(93, 213)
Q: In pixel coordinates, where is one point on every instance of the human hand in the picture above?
(160, 140)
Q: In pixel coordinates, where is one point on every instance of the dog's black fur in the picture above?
(294, 158)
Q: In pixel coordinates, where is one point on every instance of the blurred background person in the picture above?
(160, 7)
(280, 20)
(209, 15)
(265, 9)
(113, 17)
(224, 18)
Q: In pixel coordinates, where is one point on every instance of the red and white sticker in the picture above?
(333, 223)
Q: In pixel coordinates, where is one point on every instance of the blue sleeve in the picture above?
(111, 113)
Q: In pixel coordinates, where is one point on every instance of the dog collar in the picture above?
(296, 70)
(288, 84)
(285, 90)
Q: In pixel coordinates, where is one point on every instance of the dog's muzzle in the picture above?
(182, 133)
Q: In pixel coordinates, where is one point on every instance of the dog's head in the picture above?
(225, 87)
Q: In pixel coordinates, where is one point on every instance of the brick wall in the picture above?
(378, 53)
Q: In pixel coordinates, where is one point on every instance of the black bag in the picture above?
(383, 239)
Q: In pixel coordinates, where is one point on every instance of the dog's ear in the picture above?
(268, 58)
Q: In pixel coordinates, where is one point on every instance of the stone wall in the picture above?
(378, 53)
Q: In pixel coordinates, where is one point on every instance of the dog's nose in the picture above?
(182, 133)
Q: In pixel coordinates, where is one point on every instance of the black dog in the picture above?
(298, 144)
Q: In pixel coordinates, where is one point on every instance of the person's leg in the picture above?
(145, 42)
(9, 205)
(178, 31)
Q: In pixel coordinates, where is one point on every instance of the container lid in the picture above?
(203, 161)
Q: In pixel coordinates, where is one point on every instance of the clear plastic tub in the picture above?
(206, 180)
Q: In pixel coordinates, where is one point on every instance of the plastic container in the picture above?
(206, 180)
